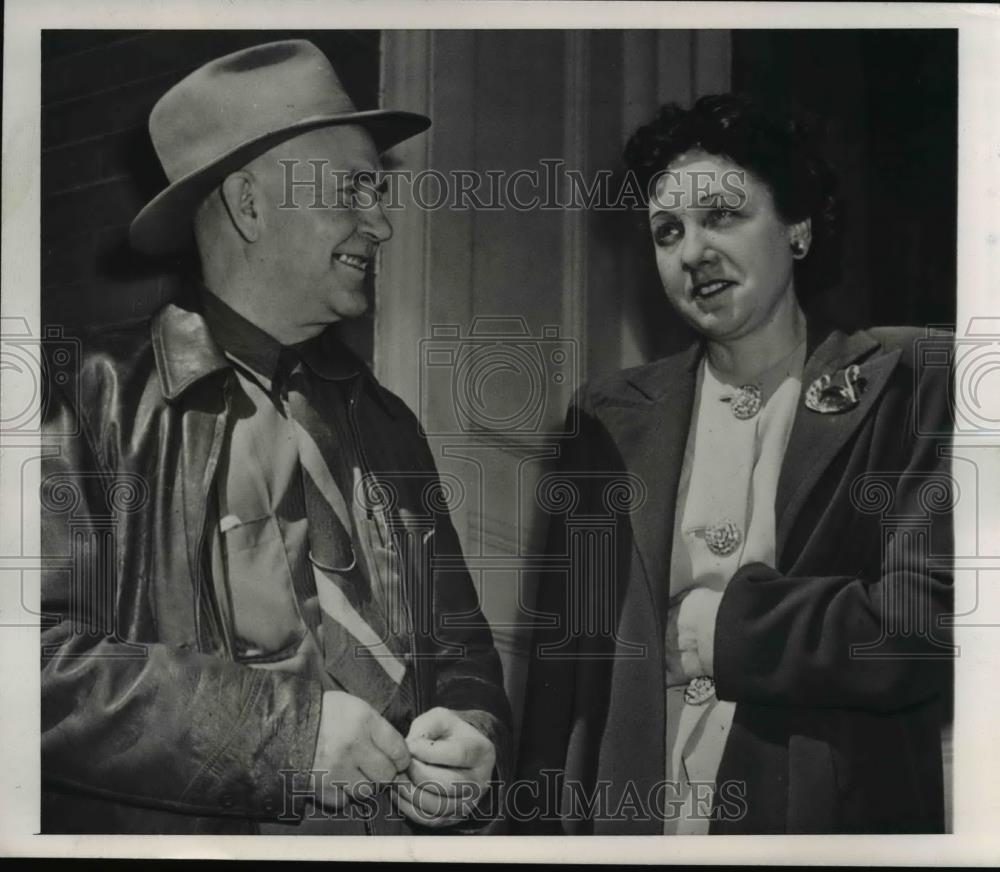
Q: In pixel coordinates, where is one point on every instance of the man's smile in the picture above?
(355, 261)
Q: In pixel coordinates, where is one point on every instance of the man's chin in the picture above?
(345, 307)
(357, 312)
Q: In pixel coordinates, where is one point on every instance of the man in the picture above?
(266, 605)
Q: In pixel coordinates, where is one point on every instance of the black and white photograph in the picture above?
(519, 422)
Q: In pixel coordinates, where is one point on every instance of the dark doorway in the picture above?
(888, 102)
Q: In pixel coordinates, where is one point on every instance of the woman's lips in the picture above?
(707, 290)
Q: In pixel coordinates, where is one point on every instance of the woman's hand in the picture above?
(691, 634)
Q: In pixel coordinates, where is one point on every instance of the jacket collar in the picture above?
(831, 348)
(659, 381)
(186, 353)
(184, 349)
(826, 346)
(649, 424)
(240, 338)
(817, 438)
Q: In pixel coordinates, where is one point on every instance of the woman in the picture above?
(773, 657)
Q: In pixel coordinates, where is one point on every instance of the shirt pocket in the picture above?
(266, 616)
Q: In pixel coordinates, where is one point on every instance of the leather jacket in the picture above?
(149, 725)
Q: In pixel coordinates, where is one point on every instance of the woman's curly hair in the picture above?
(781, 154)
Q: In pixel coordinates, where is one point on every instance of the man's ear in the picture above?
(240, 194)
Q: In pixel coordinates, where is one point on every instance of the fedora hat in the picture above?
(234, 108)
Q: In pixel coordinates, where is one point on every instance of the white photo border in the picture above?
(976, 837)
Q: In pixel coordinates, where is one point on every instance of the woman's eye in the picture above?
(666, 234)
(719, 217)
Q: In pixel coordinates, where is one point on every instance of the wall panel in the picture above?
(580, 281)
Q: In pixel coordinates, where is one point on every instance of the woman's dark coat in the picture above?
(837, 657)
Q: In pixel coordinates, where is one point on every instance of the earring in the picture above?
(798, 247)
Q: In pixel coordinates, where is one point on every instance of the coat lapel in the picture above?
(185, 355)
(650, 428)
(816, 438)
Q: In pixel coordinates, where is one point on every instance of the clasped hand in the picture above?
(691, 617)
(449, 769)
(438, 772)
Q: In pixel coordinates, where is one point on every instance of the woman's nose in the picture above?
(694, 250)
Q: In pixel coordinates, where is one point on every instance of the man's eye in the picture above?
(367, 191)
(666, 234)
(343, 197)
(365, 197)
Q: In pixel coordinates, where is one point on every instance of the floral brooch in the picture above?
(745, 401)
(699, 690)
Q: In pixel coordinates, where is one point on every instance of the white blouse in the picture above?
(729, 474)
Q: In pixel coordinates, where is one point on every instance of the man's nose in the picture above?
(373, 225)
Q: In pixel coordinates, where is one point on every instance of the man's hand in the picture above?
(449, 771)
(356, 745)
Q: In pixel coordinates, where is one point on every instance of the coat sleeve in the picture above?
(468, 673)
(878, 640)
(149, 724)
